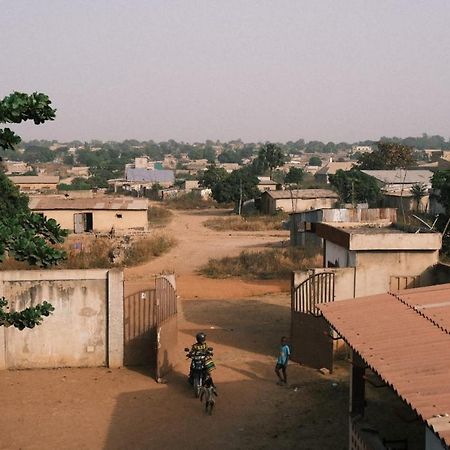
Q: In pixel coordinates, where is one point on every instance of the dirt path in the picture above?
(196, 244)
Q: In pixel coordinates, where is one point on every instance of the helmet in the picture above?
(201, 337)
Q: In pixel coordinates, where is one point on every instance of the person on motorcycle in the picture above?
(202, 346)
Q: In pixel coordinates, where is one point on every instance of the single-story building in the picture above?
(16, 167)
(38, 183)
(402, 339)
(405, 201)
(302, 225)
(296, 200)
(94, 214)
(266, 184)
(400, 179)
(323, 174)
(140, 180)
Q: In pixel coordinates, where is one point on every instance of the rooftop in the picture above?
(415, 364)
(361, 237)
(45, 204)
(34, 179)
(302, 193)
(332, 167)
(401, 176)
(147, 175)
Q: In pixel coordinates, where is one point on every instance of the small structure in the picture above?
(303, 224)
(94, 214)
(16, 167)
(297, 200)
(266, 184)
(323, 174)
(403, 339)
(400, 179)
(140, 180)
(39, 183)
(358, 260)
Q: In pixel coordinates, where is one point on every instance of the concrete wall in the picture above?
(85, 330)
(297, 205)
(338, 256)
(103, 220)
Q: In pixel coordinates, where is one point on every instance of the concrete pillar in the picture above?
(115, 318)
(2, 349)
(357, 386)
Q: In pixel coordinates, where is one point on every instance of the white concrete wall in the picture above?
(297, 205)
(336, 254)
(85, 330)
(103, 220)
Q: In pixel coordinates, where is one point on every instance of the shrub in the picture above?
(158, 216)
(145, 249)
(274, 263)
(190, 201)
(251, 223)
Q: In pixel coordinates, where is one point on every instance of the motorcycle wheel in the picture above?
(197, 385)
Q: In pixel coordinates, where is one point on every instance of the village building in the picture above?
(16, 167)
(302, 225)
(93, 214)
(400, 179)
(296, 200)
(266, 184)
(399, 342)
(229, 167)
(362, 149)
(140, 180)
(357, 260)
(323, 174)
(39, 183)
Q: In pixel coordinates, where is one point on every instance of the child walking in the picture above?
(282, 361)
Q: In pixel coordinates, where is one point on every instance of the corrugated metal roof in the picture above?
(302, 193)
(401, 176)
(405, 338)
(51, 203)
(155, 176)
(332, 167)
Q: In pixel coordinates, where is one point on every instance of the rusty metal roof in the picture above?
(405, 338)
(52, 203)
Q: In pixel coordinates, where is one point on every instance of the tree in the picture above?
(211, 176)
(25, 236)
(387, 156)
(441, 187)
(295, 175)
(315, 161)
(270, 156)
(354, 187)
(418, 191)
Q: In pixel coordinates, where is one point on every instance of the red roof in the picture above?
(405, 338)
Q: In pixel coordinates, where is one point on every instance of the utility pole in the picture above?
(240, 197)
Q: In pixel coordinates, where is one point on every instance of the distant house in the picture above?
(229, 167)
(16, 167)
(398, 341)
(362, 149)
(93, 214)
(323, 174)
(40, 183)
(297, 200)
(140, 180)
(396, 180)
(266, 184)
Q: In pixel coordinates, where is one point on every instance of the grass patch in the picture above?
(158, 216)
(148, 248)
(267, 264)
(250, 223)
(89, 254)
(190, 201)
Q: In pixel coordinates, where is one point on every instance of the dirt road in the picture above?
(196, 244)
(120, 409)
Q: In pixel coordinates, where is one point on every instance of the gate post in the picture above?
(115, 332)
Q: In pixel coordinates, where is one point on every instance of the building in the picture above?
(302, 225)
(400, 179)
(358, 260)
(361, 149)
(296, 200)
(266, 184)
(323, 174)
(40, 183)
(16, 167)
(398, 341)
(93, 214)
(140, 180)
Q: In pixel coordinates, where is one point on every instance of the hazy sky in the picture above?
(253, 69)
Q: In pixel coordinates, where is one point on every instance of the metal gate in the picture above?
(311, 336)
(150, 327)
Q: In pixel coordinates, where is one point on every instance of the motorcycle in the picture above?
(200, 361)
